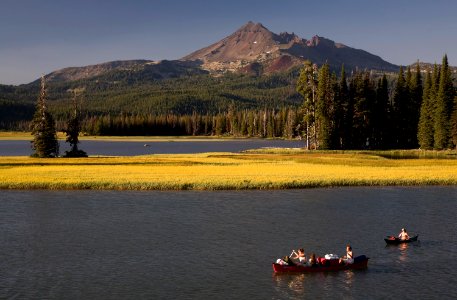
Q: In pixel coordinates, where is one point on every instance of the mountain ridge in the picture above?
(251, 49)
(77, 73)
(254, 43)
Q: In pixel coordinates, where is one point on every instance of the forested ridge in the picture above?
(118, 94)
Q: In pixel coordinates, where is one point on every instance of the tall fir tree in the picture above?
(338, 112)
(348, 141)
(414, 83)
(444, 106)
(45, 143)
(400, 111)
(370, 96)
(381, 118)
(73, 129)
(307, 87)
(362, 93)
(324, 108)
(434, 95)
(341, 111)
(435, 84)
(417, 86)
(425, 130)
(454, 124)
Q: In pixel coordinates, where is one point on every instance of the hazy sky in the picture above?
(41, 36)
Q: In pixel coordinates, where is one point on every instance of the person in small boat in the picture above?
(349, 257)
(300, 256)
(312, 260)
(403, 235)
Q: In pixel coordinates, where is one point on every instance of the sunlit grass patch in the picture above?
(216, 171)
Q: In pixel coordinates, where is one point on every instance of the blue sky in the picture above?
(41, 36)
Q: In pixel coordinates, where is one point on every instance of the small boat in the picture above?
(391, 240)
(360, 262)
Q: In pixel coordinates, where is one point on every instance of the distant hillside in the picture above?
(129, 71)
(428, 67)
(77, 73)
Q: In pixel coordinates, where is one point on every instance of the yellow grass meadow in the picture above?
(215, 171)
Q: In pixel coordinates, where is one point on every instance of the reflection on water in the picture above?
(301, 286)
(290, 284)
(296, 284)
(403, 257)
(403, 250)
(348, 279)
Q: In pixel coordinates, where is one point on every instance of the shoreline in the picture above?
(251, 170)
(196, 187)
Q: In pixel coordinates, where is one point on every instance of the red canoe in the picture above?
(360, 262)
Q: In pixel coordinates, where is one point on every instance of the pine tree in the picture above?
(341, 111)
(381, 117)
(336, 113)
(400, 111)
(417, 87)
(45, 143)
(434, 96)
(220, 125)
(251, 124)
(425, 127)
(454, 124)
(435, 84)
(370, 110)
(362, 93)
(270, 125)
(73, 130)
(243, 124)
(324, 108)
(289, 126)
(414, 83)
(349, 115)
(444, 106)
(307, 87)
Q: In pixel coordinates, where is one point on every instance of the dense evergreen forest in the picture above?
(118, 97)
(362, 112)
(330, 109)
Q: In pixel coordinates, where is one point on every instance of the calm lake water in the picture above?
(220, 245)
(120, 148)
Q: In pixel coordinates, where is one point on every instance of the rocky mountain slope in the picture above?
(255, 45)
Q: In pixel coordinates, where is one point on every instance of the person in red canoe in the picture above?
(300, 256)
(349, 257)
(312, 260)
(403, 235)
